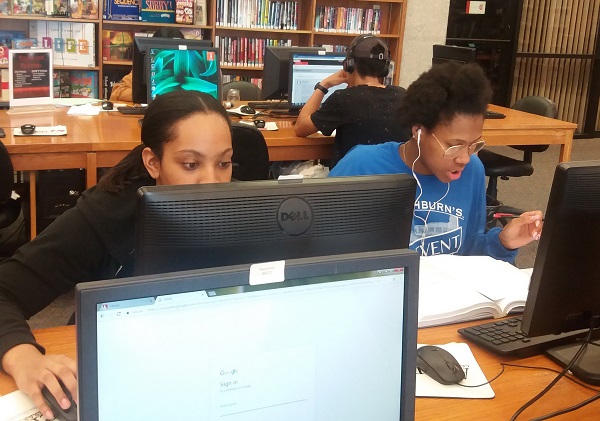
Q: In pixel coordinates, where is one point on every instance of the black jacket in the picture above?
(92, 241)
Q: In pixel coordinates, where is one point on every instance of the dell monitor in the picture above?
(309, 68)
(276, 64)
(141, 45)
(564, 294)
(324, 338)
(445, 53)
(208, 225)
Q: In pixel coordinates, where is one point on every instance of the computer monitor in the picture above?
(141, 45)
(308, 68)
(198, 226)
(445, 53)
(276, 69)
(325, 338)
(564, 293)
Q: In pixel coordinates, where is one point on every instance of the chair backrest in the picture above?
(10, 209)
(535, 104)
(6, 175)
(250, 153)
(248, 91)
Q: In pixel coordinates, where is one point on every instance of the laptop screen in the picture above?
(335, 340)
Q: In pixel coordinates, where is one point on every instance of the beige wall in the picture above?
(426, 22)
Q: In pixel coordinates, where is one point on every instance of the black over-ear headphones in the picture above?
(348, 63)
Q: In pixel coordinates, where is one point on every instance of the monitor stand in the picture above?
(587, 367)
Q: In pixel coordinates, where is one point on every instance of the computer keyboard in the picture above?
(128, 109)
(494, 114)
(269, 105)
(505, 337)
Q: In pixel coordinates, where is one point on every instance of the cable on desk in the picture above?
(556, 379)
(488, 382)
(566, 410)
(573, 379)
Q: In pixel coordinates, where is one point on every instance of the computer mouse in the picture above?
(60, 413)
(245, 109)
(439, 364)
(107, 105)
(28, 128)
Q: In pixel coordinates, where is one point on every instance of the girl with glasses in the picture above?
(445, 109)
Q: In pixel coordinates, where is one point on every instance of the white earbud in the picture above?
(419, 137)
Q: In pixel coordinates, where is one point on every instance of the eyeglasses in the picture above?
(454, 151)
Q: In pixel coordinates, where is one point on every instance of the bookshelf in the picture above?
(392, 15)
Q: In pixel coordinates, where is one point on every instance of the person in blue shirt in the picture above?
(445, 108)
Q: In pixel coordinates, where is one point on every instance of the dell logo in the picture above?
(294, 215)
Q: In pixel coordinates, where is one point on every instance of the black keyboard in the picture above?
(494, 114)
(269, 105)
(128, 109)
(505, 337)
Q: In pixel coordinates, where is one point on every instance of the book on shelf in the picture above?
(3, 54)
(83, 9)
(184, 11)
(6, 37)
(38, 7)
(121, 10)
(84, 83)
(62, 84)
(5, 7)
(21, 7)
(200, 15)
(158, 11)
(110, 76)
(454, 289)
(23, 43)
(57, 8)
(73, 43)
(117, 45)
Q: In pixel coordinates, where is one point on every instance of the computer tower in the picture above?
(57, 191)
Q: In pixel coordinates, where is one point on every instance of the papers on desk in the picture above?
(43, 131)
(427, 387)
(17, 406)
(453, 289)
(85, 109)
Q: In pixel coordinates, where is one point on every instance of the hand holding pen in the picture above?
(522, 229)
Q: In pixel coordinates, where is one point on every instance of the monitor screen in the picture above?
(276, 65)
(141, 46)
(307, 69)
(325, 338)
(209, 225)
(187, 69)
(445, 53)
(564, 293)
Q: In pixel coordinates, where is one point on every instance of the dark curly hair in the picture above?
(442, 92)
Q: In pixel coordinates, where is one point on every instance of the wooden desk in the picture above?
(103, 140)
(515, 387)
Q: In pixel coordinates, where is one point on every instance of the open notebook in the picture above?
(326, 338)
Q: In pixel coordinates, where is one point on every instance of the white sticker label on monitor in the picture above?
(476, 8)
(182, 47)
(267, 273)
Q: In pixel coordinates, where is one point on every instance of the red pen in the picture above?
(498, 215)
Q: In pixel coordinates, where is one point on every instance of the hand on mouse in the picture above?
(32, 370)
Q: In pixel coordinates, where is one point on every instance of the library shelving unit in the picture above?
(391, 29)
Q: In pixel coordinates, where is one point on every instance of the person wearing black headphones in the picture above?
(366, 112)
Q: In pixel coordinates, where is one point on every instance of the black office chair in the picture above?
(501, 166)
(250, 153)
(9, 208)
(248, 91)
